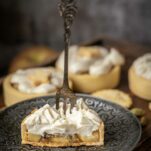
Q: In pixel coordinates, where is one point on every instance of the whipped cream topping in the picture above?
(142, 66)
(37, 80)
(89, 64)
(47, 120)
(100, 67)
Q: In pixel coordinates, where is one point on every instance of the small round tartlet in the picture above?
(34, 56)
(139, 76)
(30, 83)
(93, 68)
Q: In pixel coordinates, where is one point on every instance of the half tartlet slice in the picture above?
(52, 128)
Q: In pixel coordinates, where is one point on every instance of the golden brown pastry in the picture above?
(140, 77)
(33, 57)
(87, 83)
(53, 128)
(115, 96)
(93, 68)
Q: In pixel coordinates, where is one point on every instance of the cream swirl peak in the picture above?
(142, 66)
(93, 60)
(37, 80)
(47, 120)
(104, 65)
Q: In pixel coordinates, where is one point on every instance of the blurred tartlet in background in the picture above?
(30, 83)
(140, 77)
(116, 96)
(92, 68)
(35, 56)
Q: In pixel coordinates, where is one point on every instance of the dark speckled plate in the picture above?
(122, 129)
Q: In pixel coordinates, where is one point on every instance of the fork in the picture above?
(67, 9)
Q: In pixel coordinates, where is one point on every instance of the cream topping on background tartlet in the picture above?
(103, 66)
(142, 66)
(37, 80)
(93, 60)
(47, 120)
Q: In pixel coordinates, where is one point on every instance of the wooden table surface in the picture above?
(131, 52)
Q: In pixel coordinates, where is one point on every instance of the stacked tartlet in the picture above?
(93, 68)
(29, 83)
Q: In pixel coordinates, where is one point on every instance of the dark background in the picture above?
(25, 22)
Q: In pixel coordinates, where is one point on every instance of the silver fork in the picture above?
(68, 11)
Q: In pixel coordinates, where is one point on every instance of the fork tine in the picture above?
(65, 104)
(57, 99)
(65, 96)
(73, 101)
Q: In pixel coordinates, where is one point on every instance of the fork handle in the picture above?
(68, 11)
(66, 55)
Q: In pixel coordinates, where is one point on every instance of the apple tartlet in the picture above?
(140, 77)
(35, 56)
(93, 68)
(48, 127)
(30, 83)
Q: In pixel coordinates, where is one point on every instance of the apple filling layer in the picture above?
(63, 140)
